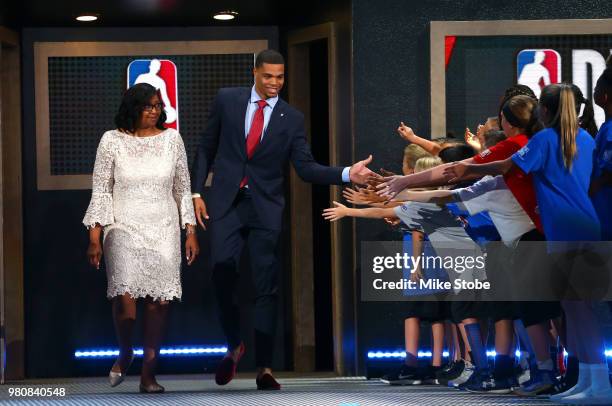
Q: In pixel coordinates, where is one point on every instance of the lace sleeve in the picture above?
(100, 208)
(181, 187)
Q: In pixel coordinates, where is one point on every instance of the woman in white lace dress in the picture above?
(141, 197)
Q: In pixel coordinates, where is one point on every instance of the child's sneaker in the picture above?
(404, 375)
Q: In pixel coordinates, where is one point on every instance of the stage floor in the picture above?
(297, 391)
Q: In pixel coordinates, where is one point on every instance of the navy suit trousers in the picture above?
(229, 235)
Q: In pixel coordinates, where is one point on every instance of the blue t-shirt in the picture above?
(434, 272)
(478, 226)
(563, 201)
(603, 163)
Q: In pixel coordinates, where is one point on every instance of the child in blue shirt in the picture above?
(562, 184)
(601, 183)
(560, 158)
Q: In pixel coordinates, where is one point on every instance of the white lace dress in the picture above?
(141, 196)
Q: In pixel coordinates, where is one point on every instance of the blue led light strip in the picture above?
(400, 354)
(164, 352)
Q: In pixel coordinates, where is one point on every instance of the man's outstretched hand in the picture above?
(359, 172)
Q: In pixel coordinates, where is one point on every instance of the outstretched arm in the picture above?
(408, 134)
(433, 177)
(461, 171)
(309, 170)
(340, 210)
(427, 196)
(365, 197)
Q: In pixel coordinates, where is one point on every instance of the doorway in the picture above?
(318, 270)
(321, 230)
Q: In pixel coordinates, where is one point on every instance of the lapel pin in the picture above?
(282, 114)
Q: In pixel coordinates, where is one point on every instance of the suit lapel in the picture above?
(241, 114)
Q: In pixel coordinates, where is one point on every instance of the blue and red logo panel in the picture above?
(537, 68)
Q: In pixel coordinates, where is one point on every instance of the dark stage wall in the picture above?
(391, 83)
(65, 299)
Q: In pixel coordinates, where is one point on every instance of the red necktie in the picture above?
(254, 135)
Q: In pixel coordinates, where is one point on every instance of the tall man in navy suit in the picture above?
(250, 135)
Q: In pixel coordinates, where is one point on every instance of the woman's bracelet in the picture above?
(190, 230)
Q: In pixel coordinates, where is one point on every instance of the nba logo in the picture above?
(161, 74)
(537, 68)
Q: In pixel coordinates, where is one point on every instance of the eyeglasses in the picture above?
(151, 107)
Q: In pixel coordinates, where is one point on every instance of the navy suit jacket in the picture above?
(223, 144)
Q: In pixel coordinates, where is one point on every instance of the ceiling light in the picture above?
(226, 15)
(87, 17)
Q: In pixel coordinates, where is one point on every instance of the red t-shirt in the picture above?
(518, 182)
